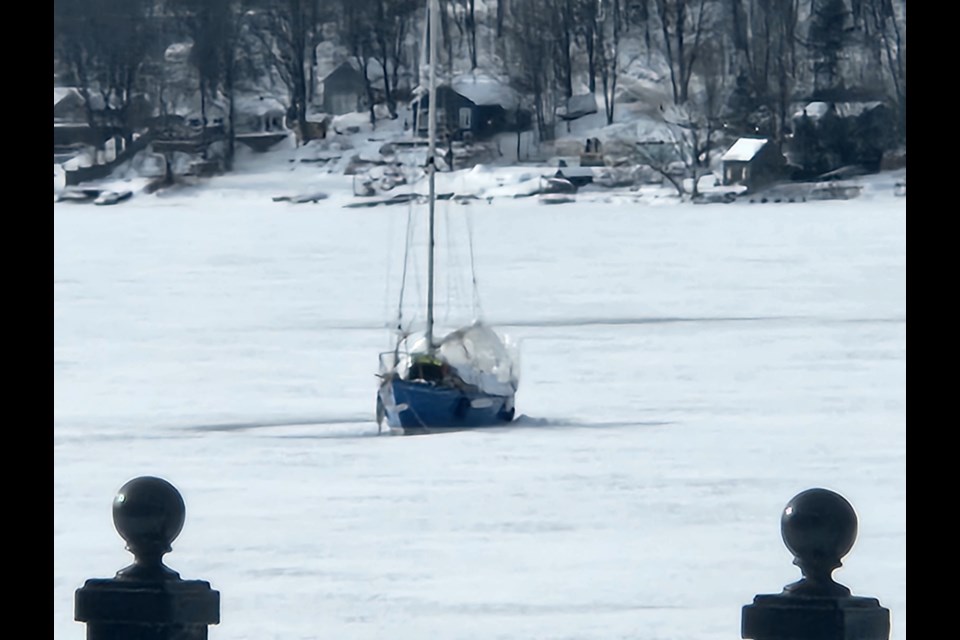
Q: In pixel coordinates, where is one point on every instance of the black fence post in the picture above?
(147, 600)
(819, 528)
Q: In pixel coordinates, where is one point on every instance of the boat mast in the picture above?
(431, 158)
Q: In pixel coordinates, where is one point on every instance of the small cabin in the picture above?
(496, 103)
(752, 162)
(344, 89)
(460, 118)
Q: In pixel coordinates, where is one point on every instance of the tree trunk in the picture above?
(591, 65)
(472, 28)
(566, 61)
(383, 59)
(231, 116)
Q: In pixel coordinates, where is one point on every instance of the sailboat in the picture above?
(467, 378)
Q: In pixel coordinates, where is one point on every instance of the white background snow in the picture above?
(686, 370)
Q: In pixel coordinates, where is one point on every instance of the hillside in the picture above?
(666, 91)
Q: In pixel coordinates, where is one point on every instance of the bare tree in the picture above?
(465, 18)
(405, 16)
(388, 31)
(661, 155)
(886, 17)
(638, 13)
(775, 64)
(212, 25)
(288, 35)
(688, 136)
(359, 35)
(683, 25)
(828, 34)
(606, 33)
(533, 59)
(703, 117)
(105, 44)
(764, 37)
(223, 29)
(585, 19)
(563, 26)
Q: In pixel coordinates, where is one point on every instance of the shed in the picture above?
(344, 89)
(68, 105)
(752, 162)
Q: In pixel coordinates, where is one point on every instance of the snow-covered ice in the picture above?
(686, 370)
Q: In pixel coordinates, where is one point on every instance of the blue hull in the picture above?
(423, 407)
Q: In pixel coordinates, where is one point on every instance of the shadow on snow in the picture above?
(363, 427)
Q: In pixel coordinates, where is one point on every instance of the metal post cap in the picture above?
(148, 513)
(819, 528)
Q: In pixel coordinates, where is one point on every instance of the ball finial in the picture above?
(819, 528)
(149, 514)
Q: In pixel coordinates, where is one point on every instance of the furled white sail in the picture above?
(481, 358)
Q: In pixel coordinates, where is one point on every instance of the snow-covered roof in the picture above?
(744, 149)
(59, 93)
(374, 69)
(817, 110)
(178, 52)
(847, 109)
(484, 90)
(578, 106)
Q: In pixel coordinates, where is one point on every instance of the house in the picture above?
(497, 104)
(472, 108)
(71, 128)
(830, 135)
(258, 114)
(200, 134)
(344, 89)
(752, 162)
(456, 114)
(260, 122)
(68, 105)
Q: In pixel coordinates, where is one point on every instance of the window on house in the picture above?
(423, 121)
(735, 174)
(465, 118)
